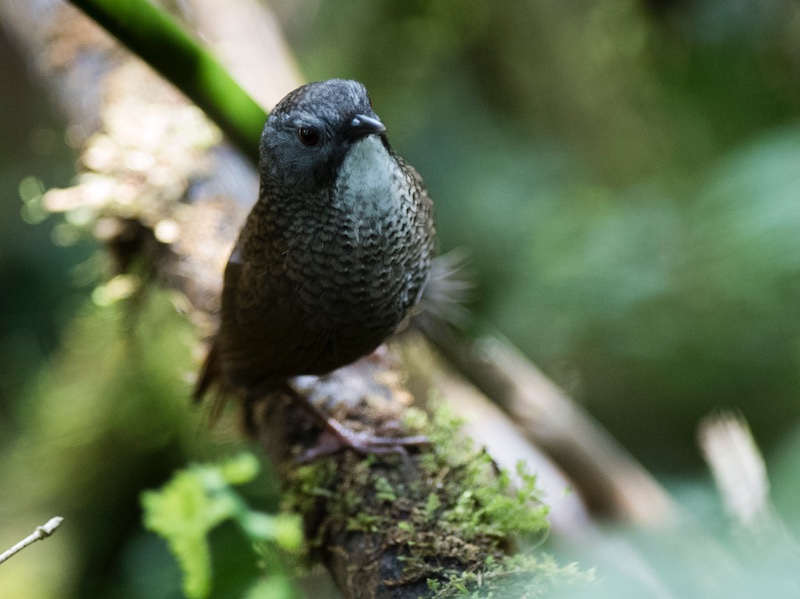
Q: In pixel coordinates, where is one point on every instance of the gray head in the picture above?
(310, 131)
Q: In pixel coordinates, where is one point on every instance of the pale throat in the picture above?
(370, 175)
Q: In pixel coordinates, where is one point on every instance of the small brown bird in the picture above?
(333, 257)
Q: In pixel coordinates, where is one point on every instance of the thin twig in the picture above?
(41, 532)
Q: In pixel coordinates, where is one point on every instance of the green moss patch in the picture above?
(448, 512)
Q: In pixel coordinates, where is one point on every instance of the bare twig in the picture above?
(739, 471)
(740, 474)
(41, 532)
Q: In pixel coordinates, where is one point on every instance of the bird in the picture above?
(333, 258)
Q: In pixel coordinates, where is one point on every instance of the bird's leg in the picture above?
(337, 437)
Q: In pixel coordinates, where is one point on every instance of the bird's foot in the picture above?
(337, 437)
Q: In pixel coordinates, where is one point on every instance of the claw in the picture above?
(338, 437)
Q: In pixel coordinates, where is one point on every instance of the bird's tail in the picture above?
(210, 379)
(443, 302)
(209, 374)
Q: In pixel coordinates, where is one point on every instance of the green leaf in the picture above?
(271, 588)
(182, 513)
(284, 529)
(240, 469)
(201, 497)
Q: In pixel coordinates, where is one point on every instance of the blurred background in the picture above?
(625, 175)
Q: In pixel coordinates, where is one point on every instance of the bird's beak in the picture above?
(363, 125)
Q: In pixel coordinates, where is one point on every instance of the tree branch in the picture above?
(138, 24)
(41, 532)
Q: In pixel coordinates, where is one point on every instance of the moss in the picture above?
(384, 490)
(519, 576)
(452, 522)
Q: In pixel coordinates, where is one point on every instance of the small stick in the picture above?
(41, 532)
(738, 469)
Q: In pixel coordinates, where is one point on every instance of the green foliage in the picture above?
(200, 498)
(101, 421)
(272, 588)
(104, 421)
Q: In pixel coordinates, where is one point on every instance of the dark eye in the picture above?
(308, 135)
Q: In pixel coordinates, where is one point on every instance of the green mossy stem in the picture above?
(152, 34)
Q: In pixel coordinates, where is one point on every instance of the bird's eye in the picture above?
(308, 135)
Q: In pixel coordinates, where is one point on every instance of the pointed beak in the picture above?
(363, 125)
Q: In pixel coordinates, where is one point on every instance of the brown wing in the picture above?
(263, 333)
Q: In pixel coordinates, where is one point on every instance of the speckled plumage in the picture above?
(335, 253)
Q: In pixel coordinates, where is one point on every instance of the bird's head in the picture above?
(310, 131)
